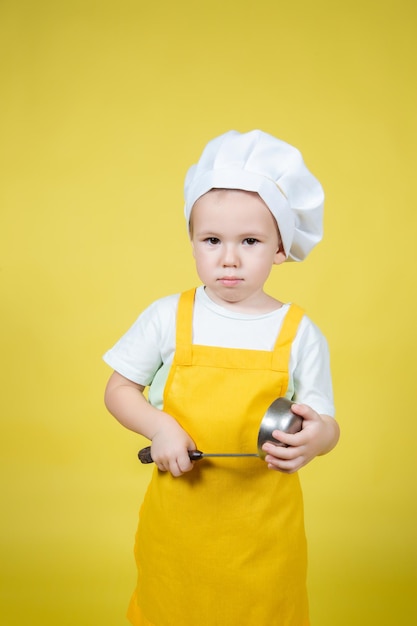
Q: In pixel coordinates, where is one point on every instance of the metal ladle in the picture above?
(277, 417)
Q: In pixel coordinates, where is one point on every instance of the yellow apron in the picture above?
(223, 545)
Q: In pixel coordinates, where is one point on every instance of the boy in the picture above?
(222, 542)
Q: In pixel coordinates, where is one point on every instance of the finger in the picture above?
(282, 465)
(175, 470)
(275, 450)
(282, 449)
(304, 411)
(175, 466)
(178, 471)
(289, 439)
(184, 463)
(283, 459)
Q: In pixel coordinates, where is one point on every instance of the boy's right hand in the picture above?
(169, 450)
(170, 443)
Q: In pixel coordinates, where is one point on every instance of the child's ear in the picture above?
(279, 257)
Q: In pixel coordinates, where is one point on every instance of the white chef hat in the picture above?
(257, 161)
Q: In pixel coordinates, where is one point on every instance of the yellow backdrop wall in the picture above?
(104, 107)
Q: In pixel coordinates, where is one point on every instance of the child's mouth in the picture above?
(230, 281)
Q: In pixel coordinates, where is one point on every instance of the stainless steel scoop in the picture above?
(277, 417)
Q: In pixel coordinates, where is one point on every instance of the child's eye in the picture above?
(250, 241)
(213, 241)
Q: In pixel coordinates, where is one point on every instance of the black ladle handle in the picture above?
(145, 455)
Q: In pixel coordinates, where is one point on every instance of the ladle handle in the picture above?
(145, 455)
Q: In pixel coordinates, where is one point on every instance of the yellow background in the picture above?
(104, 105)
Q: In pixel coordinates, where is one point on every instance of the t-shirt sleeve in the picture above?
(139, 353)
(311, 369)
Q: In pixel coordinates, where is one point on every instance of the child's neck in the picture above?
(259, 304)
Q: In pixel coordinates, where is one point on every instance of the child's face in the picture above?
(235, 243)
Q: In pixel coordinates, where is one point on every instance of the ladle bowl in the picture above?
(278, 416)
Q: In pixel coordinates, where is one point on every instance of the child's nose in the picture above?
(230, 256)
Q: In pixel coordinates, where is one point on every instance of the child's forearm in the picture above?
(126, 402)
(170, 443)
(331, 436)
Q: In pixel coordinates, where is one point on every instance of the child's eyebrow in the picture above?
(253, 233)
(206, 233)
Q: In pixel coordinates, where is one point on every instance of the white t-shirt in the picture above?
(145, 352)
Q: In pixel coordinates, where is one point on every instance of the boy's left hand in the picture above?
(318, 436)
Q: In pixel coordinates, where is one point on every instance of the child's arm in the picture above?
(319, 435)
(170, 443)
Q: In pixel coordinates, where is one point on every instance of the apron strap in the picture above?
(280, 356)
(282, 349)
(184, 328)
